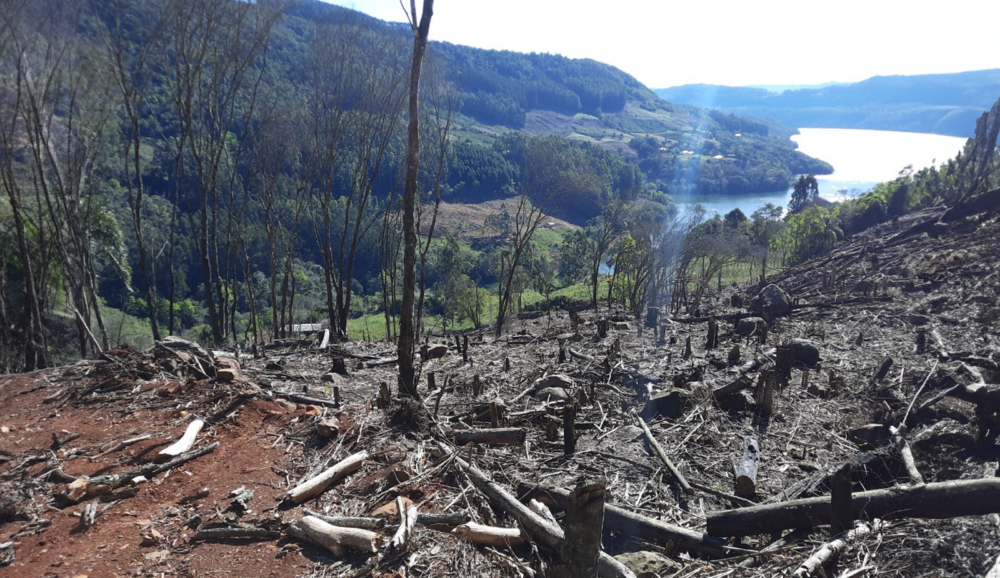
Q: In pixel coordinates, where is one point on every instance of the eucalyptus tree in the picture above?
(54, 136)
(405, 347)
(215, 69)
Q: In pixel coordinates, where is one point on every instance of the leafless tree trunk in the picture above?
(405, 350)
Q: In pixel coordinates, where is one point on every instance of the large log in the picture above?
(537, 526)
(334, 538)
(316, 485)
(496, 436)
(941, 500)
(632, 524)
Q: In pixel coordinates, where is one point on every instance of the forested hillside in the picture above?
(226, 169)
(946, 104)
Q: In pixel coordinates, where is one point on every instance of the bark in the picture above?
(317, 485)
(936, 501)
(407, 334)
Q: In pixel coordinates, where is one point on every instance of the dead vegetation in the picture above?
(848, 418)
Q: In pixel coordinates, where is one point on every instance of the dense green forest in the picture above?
(946, 104)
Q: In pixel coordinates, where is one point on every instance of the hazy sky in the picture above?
(736, 42)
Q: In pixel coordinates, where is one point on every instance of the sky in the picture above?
(733, 42)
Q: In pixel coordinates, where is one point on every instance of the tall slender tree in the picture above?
(405, 347)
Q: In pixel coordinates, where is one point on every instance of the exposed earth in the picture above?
(921, 291)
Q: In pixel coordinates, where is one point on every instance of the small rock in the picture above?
(647, 564)
(332, 379)
(917, 320)
(226, 374)
(751, 326)
(329, 428)
(670, 404)
(284, 403)
(313, 410)
(772, 301)
(621, 326)
(77, 489)
(434, 351)
(272, 366)
(552, 393)
(4, 430)
(819, 391)
(804, 352)
(555, 380)
(871, 434)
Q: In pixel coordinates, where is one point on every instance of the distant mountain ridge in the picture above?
(946, 104)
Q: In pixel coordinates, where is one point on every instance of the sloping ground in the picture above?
(867, 301)
(468, 221)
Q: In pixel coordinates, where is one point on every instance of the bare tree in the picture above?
(131, 64)
(546, 175)
(405, 348)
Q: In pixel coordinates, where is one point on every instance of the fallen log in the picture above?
(122, 445)
(632, 524)
(829, 552)
(184, 444)
(315, 486)
(149, 470)
(940, 500)
(489, 535)
(514, 436)
(334, 538)
(348, 521)
(536, 525)
(666, 460)
(401, 539)
(306, 400)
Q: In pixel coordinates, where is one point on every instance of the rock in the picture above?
(647, 564)
(751, 326)
(552, 393)
(328, 428)
(313, 410)
(734, 355)
(434, 351)
(621, 326)
(670, 404)
(284, 403)
(272, 366)
(559, 380)
(872, 434)
(917, 320)
(820, 391)
(389, 510)
(332, 379)
(772, 301)
(4, 430)
(804, 352)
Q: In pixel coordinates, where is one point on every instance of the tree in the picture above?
(405, 349)
(805, 192)
(765, 226)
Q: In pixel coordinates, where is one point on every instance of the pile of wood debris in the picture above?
(845, 417)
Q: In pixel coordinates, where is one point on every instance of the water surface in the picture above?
(860, 158)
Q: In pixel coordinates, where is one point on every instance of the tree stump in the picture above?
(746, 470)
(713, 334)
(841, 512)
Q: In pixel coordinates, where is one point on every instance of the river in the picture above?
(860, 158)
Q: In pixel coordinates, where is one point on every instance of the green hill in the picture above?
(946, 104)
